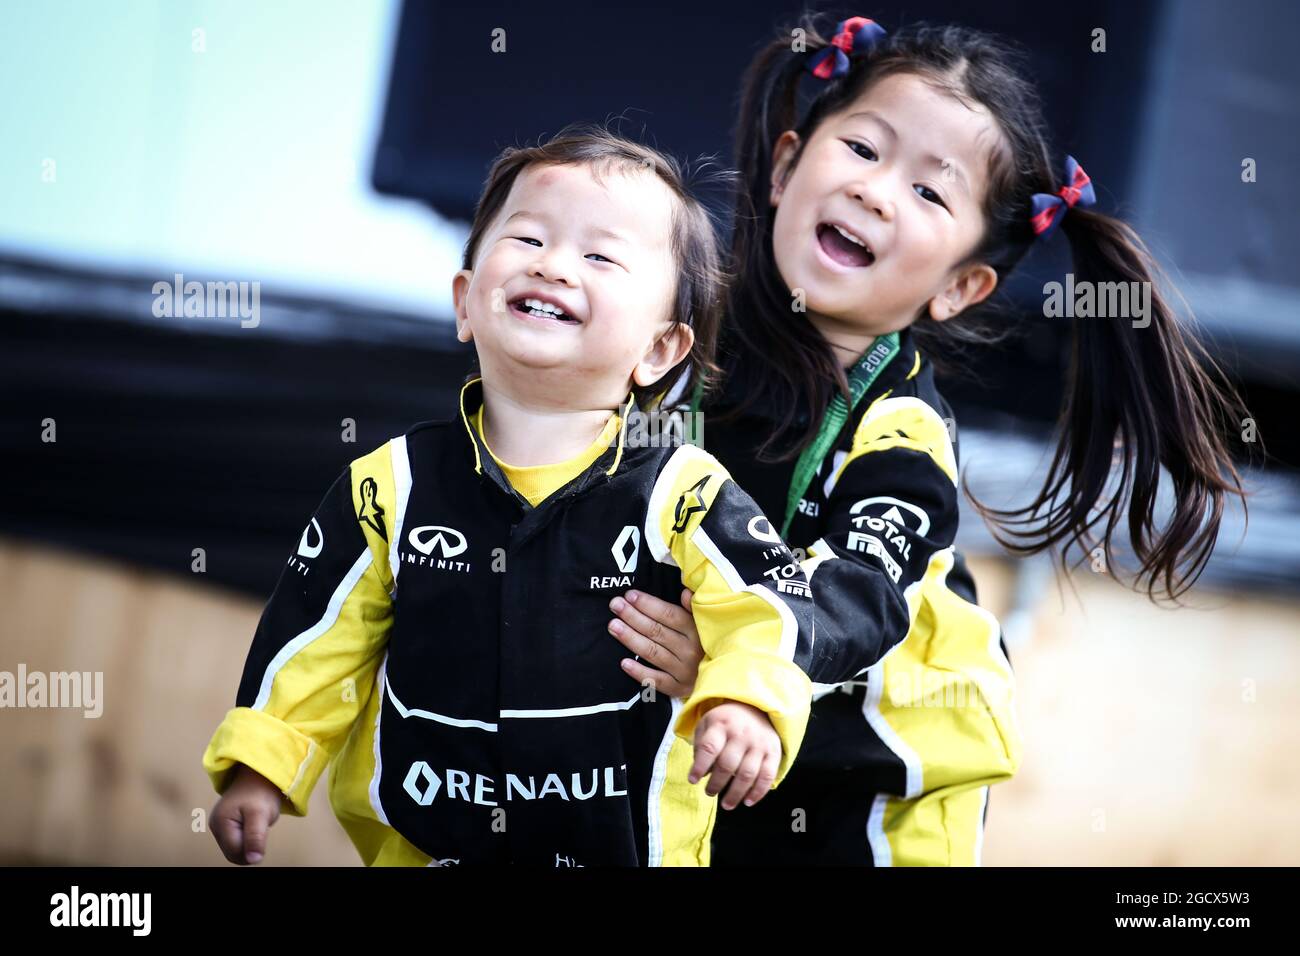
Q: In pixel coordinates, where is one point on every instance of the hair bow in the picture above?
(854, 35)
(1048, 210)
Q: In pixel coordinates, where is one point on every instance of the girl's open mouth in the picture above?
(843, 246)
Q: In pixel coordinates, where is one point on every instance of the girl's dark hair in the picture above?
(701, 280)
(1144, 398)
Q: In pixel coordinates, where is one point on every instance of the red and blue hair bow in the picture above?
(854, 35)
(1048, 210)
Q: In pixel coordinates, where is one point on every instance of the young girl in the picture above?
(439, 628)
(869, 225)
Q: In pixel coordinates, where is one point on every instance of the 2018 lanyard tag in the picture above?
(861, 377)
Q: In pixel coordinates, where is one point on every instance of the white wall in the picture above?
(246, 161)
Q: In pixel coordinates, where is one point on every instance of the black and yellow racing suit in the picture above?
(441, 644)
(913, 717)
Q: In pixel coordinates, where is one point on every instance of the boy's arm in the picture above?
(317, 647)
(891, 506)
(751, 603)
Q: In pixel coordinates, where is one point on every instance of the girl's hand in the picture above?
(243, 815)
(736, 744)
(663, 634)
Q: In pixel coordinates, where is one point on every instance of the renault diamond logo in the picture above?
(629, 539)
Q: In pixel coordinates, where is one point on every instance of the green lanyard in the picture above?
(861, 377)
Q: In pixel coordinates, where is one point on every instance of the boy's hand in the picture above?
(736, 743)
(243, 815)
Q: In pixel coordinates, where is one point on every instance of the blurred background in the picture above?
(159, 466)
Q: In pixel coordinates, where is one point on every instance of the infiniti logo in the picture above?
(761, 528)
(305, 547)
(448, 541)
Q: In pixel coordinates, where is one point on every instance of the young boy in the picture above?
(440, 631)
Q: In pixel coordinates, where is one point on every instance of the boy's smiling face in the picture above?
(902, 171)
(576, 275)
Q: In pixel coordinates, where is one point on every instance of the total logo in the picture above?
(626, 550)
(435, 547)
(890, 521)
(789, 579)
(895, 517)
(306, 549)
(423, 784)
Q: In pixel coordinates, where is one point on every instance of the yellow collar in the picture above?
(476, 384)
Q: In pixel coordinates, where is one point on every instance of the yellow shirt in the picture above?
(538, 482)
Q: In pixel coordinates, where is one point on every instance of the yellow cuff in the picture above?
(288, 758)
(774, 685)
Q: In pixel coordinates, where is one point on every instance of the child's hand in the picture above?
(662, 634)
(243, 815)
(736, 743)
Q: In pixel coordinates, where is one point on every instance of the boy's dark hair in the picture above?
(701, 283)
(1153, 390)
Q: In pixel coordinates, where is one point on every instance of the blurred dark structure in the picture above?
(175, 434)
(179, 434)
(676, 73)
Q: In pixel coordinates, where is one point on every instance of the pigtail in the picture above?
(799, 369)
(767, 108)
(1143, 395)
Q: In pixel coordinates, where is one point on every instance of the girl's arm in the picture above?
(891, 511)
(892, 508)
